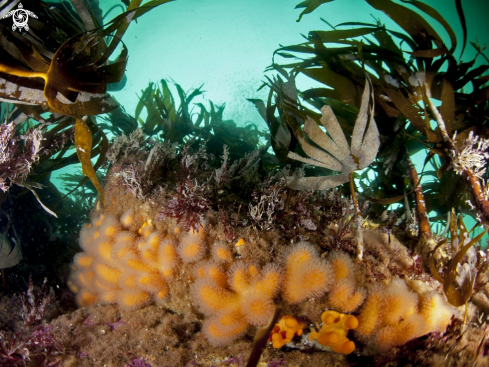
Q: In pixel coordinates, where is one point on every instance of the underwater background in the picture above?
(239, 204)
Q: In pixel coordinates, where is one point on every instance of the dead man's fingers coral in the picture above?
(256, 307)
(213, 271)
(306, 274)
(345, 296)
(211, 298)
(371, 313)
(399, 302)
(221, 252)
(192, 247)
(224, 327)
(343, 266)
(436, 312)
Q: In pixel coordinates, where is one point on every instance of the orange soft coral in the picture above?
(334, 331)
(120, 265)
(133, 268)
(307, 275)
(244, 298)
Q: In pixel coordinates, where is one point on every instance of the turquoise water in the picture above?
(227, 44)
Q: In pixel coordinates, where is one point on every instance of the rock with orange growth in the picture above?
(334, 331)
(133, 269)
(285, 329)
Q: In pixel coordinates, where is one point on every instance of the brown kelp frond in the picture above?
(310, 5)
(75, 73)
(333, 152)
(281, 140)
(461, 246)
(261, 339)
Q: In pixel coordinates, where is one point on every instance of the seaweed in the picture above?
(407, 70)
(73, 68)
(182, 123)
(461, 246)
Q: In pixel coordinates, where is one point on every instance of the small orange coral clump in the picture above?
(371, 315)
(285, 329)
(435, 311)
(192, 246)
(306, 274)
(120, 265)
(334, 331)
(343, 266)
(392, 315)
(345, 297)
(399, 302)
(221, 253)
(224, 327)
(128, 218)
(246, 298)
(391, 336)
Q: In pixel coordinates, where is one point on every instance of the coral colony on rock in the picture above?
(202, 243)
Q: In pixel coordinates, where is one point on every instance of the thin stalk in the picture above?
(358, 219)
(421, 212)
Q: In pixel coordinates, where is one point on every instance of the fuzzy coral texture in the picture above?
(129, 261)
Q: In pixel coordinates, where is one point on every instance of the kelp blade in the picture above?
(83, 144)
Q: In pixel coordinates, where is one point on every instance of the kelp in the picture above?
(460, 244)
(285, 93)
(163, 115)
(75, 74)
(309, 6)
(184, 121)
(261, 339)
(118, 122)
(335, 154)
(406, 69)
